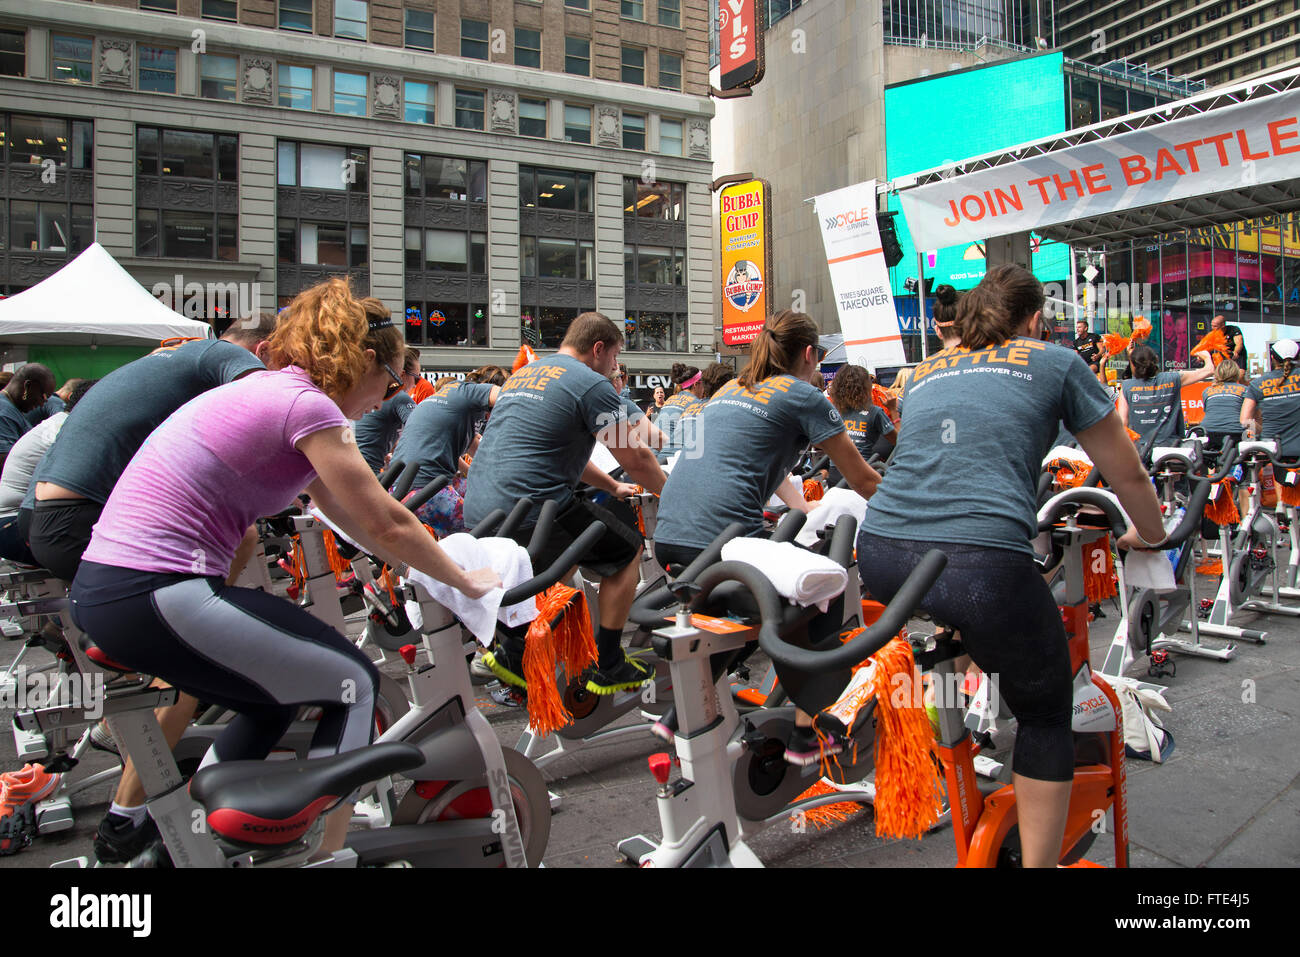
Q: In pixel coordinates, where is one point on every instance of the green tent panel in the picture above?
(83, 362)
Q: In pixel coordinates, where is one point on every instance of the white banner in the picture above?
(859, 277)
(1224, 149)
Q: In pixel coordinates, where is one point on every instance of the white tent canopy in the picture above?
(91, 300)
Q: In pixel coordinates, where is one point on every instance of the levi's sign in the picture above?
(1217, 151)
(740, 41)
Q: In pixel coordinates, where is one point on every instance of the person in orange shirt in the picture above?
(422, 388)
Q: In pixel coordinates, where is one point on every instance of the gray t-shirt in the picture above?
(13, 424)
(748, 442)
(971, 446)
(634, 413)
(441, 428)
(22, 461)
(1278, 396)
(1155, 408)
(671, 414)
(377, 431)
(1223, 407)
(113, 419)
(866, 427)
(540, 437)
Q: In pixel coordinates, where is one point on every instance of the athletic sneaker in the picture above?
(479, 673)
(19, 793)
(507, 696)
(102, 739)
(119, 841)
(804, 747)
(624, 676)
(504, 666)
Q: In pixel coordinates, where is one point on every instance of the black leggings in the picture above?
(256, 654)
(1010, 626)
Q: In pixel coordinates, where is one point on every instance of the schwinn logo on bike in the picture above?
(78, 911)
(46, 689)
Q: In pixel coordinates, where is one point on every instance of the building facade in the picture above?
(487, 168)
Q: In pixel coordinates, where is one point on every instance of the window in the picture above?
(188, 154)
(350, 93)
(162, 6)
(528, 47)
(157, 69)
(417, 102)
(419, 29)
(71, 57)
(557, 258)
(658, 265)
(469, 109)
(577, 56)
(322, 244)
(474, 39)
(554, 189)
(217, 76)
(50, 227)
(442, 250)
(314, 166)
(295, 15)
(446, 324)
(633, 131)
(545, 325)
(670, 13)
(634, 66)
(670, 137)
(446, 178)
(296, 86)
(632, 9)
(13, 53)
(577, 124)
(221, 9)
(34, 139)
(578, 4)
(532, 117)
(351, 18)
(670, 71)
(654, 200)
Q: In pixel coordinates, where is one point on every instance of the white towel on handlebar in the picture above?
(507, 558)
(797, 574)
(835, 503)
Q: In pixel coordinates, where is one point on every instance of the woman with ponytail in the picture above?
(749, 436)
(689, 383)
(980, 418)
(1223, 400)
(158, 602)
(1150, 403)
(1272, 402)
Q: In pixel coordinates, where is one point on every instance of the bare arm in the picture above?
(1206, 370)
(862, 478)
(1250, 414)
(242, 554)
(791, 494)
(1109, 447)
(346, 491)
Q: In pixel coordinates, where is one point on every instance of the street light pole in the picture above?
(920, 303)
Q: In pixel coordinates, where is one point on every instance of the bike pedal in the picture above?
(61, 763)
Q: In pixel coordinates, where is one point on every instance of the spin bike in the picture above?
(1250, 568)
(985, 819)
(471, 802)
(734, 777)
(1152, 617)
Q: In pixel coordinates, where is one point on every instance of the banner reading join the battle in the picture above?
(859, 277)
(746, 260)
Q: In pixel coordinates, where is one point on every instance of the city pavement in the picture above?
(1229, 795)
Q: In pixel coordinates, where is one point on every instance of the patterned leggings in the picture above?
(444, 513)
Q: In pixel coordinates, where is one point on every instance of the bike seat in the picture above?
(97, 655)
(273, 803)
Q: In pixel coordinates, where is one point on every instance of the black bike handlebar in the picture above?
(790, 526)
(567, 559)
(806, 660)
(429, 491)
(515, 518)
(405, 480)
(489, 523)
(650, 606)
(390, 472)
(542, 530)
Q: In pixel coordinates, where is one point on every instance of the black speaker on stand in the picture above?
(888, 238)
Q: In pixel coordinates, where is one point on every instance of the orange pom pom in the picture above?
(1215, 343)
(1141, 328)
(1113, 344)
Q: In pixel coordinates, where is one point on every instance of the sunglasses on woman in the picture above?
(395, 386)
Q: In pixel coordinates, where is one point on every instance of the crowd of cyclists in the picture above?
(143, 490)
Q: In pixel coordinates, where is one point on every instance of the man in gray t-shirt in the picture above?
(31, 386)
(377, 431)
(441, 429)
(538, 446)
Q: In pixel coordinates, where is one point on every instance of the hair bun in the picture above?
(678, 372)
(946, 295)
